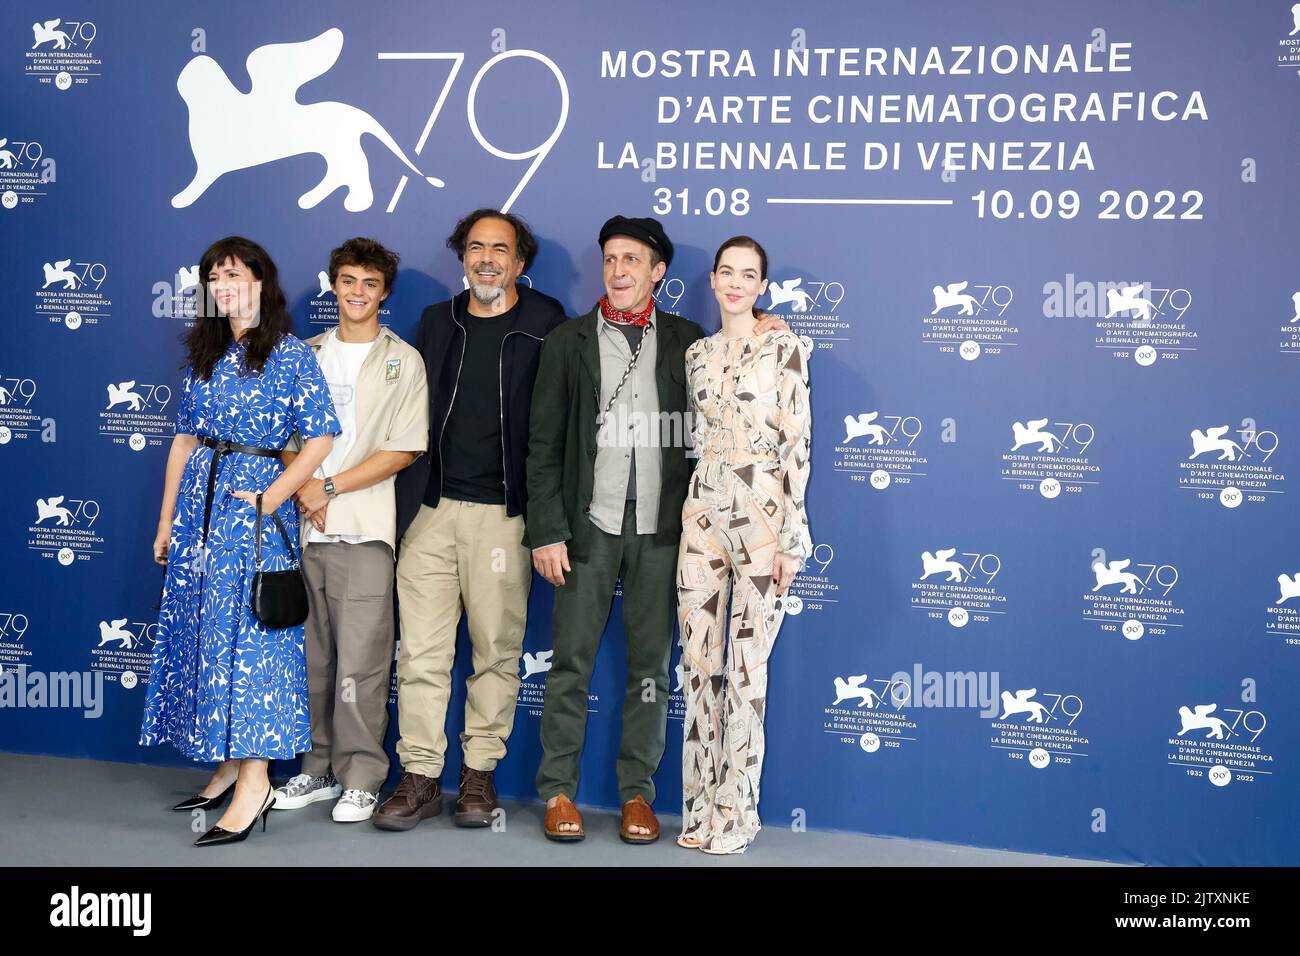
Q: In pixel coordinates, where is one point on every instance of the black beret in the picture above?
(645, 230)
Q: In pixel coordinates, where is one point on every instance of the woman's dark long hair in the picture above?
(211, 335)
(743, 242)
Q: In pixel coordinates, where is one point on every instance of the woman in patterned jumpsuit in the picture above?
(744, 535)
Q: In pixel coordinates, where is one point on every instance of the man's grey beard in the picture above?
(486, 294)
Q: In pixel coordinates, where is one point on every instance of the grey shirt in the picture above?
(630, 426)
(634, 334)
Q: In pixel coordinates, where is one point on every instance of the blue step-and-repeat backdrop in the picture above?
(1046, 253)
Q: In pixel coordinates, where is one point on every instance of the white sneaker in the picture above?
(355, 806)
(304, 789)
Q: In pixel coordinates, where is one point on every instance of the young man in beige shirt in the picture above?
(380, 392)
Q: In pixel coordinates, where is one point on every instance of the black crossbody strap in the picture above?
(600, 421)
(220, 449)
(283, 534)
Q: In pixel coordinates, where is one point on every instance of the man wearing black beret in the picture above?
(607, 476)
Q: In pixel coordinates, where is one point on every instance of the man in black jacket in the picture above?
(460, 521)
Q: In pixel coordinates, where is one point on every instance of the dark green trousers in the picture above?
(582, 606)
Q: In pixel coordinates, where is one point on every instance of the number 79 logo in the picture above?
(534, 156)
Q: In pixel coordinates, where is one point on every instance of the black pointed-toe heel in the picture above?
(217, 835)
(200, 802)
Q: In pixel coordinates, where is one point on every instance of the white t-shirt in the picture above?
(341, 363)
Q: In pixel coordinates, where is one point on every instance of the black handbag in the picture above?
(279, 597)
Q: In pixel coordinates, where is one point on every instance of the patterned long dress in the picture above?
(752, 427)
(222, 686)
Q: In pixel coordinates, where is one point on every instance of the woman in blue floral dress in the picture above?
(222, 687)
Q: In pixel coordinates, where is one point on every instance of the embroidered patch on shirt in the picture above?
(393, 370)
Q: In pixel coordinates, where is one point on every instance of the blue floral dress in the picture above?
(222, 686)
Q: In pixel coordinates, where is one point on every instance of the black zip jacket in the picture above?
(441, 341)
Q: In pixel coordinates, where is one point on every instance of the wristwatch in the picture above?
(329, 487)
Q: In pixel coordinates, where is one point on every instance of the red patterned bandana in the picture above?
(612, 314)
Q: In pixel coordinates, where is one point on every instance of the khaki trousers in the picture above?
(349, 637)
(460, 556)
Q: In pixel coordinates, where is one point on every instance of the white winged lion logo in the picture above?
(272, 124)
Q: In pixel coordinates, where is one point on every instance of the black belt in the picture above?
(220, 449)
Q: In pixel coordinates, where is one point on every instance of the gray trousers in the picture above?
(582, 608)
(349, 660)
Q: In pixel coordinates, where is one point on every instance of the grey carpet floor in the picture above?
(62, 812)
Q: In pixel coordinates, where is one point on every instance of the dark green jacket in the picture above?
(562, 431)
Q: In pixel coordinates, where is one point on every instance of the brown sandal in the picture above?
(637, 813)
(563, 812)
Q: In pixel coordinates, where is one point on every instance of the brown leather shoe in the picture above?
(563, 812)
(477, 799)
(637, 813)
(416, 798)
